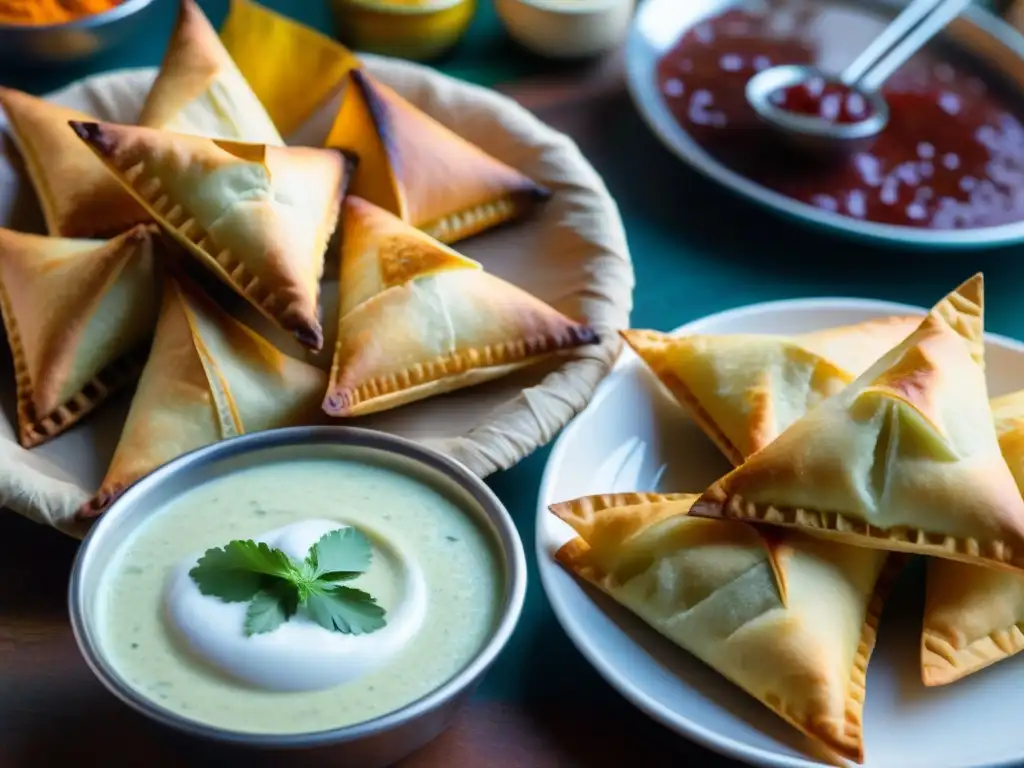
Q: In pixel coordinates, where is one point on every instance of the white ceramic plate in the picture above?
(659, 24)
(633, 436)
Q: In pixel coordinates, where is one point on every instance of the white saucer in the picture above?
(633, 436)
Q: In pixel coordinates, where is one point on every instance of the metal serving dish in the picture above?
(382, 740)
(977, 33)
(77, 40)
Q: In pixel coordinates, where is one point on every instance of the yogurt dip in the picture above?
(432, 570)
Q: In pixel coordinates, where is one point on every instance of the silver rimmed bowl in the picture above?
(77, 40)
(381, 740)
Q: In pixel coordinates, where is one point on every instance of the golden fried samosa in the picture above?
(78, 196)
(79, 315)
(414, 167)
(199, 89)
(258, 216)
(789, 618)
(208, 378)
(905, 458)
(744, 390)
(417, 319)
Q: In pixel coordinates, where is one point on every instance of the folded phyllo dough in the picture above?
(974, 616)
(744, 390)
(259, 40)
(855, 348)
(199, 89)
(79, 315)
(414, 167)
(905, 458)
(78, 196)
(741, 390)
(416, 319)
(208, 378)
(790, 619)
(258, 216)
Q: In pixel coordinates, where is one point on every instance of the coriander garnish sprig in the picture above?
(275, 586)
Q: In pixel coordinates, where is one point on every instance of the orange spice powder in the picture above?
(41, 12)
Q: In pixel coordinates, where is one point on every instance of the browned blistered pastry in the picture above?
(414, 167)
(417, 319)
(905, 458)
(78, 196)
(79, 315)
(258, 216)
(789, 618)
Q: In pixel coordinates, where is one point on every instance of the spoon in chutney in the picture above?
(818, 110)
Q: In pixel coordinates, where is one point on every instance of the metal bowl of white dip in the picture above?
(173, 499)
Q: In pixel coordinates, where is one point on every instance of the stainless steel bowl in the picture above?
(380, 741)
(77, 40)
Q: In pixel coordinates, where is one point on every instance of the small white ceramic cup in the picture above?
(567, 29)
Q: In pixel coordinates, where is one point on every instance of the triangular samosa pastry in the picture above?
(79, 315)
(414, 167)
(715, 588)
(199, 89)
(744, 390)
(259, 40)
(208, 378)
(905, 458)
(974, 616)
(258, 216)
(78, 196)
(416, 319)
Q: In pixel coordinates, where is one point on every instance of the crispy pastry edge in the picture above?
(685, 397)
(308, 332)
(345, 401)
(839, 740)
(838, 527)
(33, 429)
(943, 663)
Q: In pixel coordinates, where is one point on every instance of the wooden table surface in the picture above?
(53, 711)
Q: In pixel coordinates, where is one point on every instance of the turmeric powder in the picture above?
(41, 12)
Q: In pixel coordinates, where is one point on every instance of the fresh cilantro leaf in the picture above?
(346, 610)
(275, 585)
(339, 555)
(270, 609)
(231, 586)
(236, 572)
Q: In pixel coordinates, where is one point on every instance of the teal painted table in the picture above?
(697, 250)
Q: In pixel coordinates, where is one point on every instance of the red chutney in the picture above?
(951, 156)
(832, 102)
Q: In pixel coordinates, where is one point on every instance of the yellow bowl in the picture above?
(410, 29)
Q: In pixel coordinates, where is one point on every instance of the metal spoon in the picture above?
(916, 25)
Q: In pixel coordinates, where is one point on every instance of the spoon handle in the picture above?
(906, 35)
